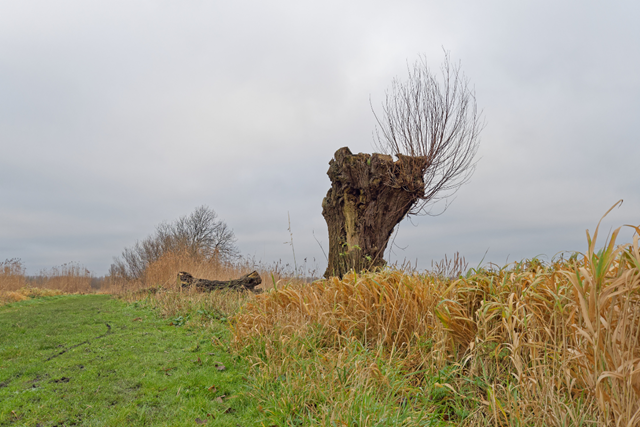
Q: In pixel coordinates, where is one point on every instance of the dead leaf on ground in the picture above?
(137, 319)
(219, 399)
(199, 421)
(220, 366)
(212, 389)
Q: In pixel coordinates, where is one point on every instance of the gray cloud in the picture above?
(115, 116)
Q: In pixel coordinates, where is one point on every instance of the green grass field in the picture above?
(91, 360)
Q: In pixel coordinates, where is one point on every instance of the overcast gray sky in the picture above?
(118, 115)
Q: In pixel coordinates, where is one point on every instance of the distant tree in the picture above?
(200, 234)
(432, 127)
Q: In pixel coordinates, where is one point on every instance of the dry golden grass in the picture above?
(16, 286)
(530, 344)
(163, 273)
(26, 293)
(160, 288)
(69, 278)
(12, 275)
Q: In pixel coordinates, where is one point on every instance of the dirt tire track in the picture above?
(82, 343)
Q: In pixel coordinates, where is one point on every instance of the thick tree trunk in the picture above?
(370, 194)
(247, 282)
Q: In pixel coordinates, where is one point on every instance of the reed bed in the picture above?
(70, 278)
(12, 275)
(15, 285)
(526, 345)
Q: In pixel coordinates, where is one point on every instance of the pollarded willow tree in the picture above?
(431, 126)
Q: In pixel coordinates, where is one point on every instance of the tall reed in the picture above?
(67, 278)
(15, 285)
(528, 344)
(12, 275)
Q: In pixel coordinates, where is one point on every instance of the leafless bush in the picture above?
(200, 235)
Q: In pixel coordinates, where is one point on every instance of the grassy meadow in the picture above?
(92, 360)
(528, 344)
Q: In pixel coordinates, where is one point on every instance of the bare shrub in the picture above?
(198, 236)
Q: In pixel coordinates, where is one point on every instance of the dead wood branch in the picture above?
(248, 282)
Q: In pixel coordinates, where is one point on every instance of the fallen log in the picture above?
(248, 282)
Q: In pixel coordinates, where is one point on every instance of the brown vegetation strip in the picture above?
(550, 342)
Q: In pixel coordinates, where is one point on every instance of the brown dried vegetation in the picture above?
(15, 285)
(531, 344)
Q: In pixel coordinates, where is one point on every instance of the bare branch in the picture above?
(435, 119)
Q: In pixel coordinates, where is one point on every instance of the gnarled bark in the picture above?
(248, 282)
(370, 194)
